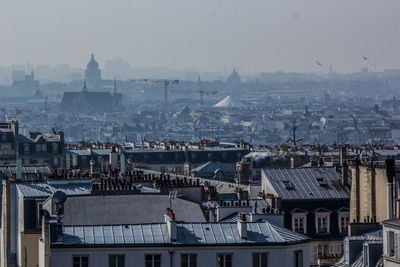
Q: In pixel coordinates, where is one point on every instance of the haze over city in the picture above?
(253, 36)
(211, 133)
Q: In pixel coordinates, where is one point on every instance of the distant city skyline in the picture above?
(257, 36)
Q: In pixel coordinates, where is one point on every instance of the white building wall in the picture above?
(206, 256)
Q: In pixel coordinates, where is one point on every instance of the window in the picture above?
(55, 148)
(299, 222)
(260, 260)
(44, 148)
(80, 261)
(322, 223)
(339, 248)
(224, 260)
(298, 258)
(299, 225)
(188, 260)
(343, 223)
(117, 261)
(323, 251)
(153, 260)
(390, 243)
(26, 148)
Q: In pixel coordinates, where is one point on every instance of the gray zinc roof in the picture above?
(46, 190)
(188, 234)
(127, 209)
(307, 183)
(29, 172)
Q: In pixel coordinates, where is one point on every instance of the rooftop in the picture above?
(188, 234)
(307, 183)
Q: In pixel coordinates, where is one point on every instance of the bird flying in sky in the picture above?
(319, 63)
(365, 58)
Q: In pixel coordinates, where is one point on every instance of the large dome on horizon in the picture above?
(92, 64)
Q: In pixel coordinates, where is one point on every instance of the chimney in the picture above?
(91, 166)
(390, 173)
(19, 169)
(171, 224)
(242, 225)
(344, 173)
(241, 194)
(114, 158)
(122, 164)
(292, 163)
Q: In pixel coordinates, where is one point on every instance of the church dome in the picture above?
(92, 63)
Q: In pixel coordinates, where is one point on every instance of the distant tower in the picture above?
(92, 72)
(84, 87)
(115, 85)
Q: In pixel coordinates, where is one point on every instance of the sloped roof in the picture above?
(210, 167)
(29, 172)
(127, 209)
(228, 102)
(224, 103)
(46, 190)
(306, 183)
(188, 234)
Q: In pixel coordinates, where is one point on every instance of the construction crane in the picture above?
(166, 83)
(202, 96)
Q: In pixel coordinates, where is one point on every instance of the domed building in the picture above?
(92, 72)
(234, 79)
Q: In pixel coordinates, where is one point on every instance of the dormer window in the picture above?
(299, 221)
(343, 219)
(299, 224)
(322, 221)
(322, 224)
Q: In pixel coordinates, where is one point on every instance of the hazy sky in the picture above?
(253, 35)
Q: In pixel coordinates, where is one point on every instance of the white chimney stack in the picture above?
(122, 163)
(171, 224)
(114, 159)
(242, 225)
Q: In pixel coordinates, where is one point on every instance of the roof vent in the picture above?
(288, 185)
(322, 182)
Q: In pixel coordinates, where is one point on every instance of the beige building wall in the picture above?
(369, 194)
(29, 243)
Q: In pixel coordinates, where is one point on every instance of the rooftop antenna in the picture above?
(294, 140)
(172, 197)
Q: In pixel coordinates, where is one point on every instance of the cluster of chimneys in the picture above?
(113, 185)
(367, 219)
(63, 174)
(167, 182)
(231, 203)
(208, 192)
